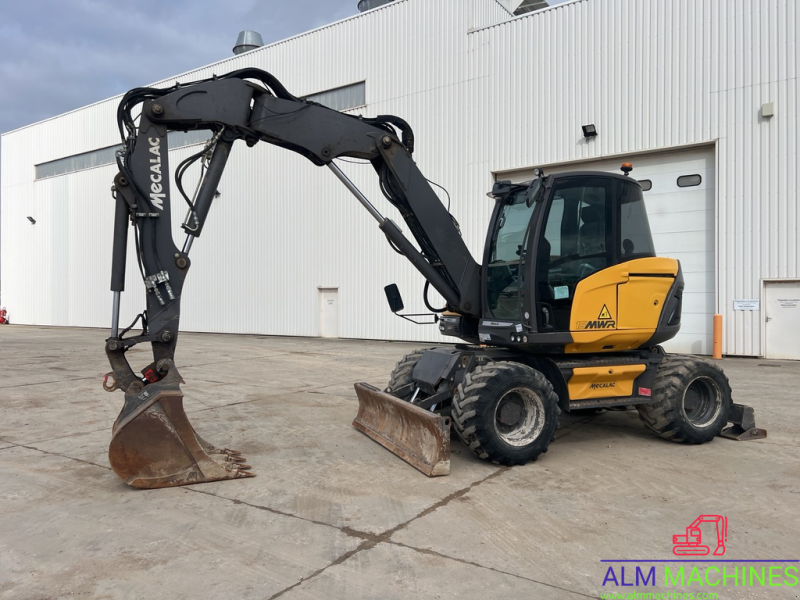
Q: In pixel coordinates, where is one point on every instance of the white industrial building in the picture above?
(700, 95)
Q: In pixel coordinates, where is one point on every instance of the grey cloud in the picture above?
(58, 56)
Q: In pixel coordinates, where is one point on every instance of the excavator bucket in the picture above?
(419, 437)
(154, 446)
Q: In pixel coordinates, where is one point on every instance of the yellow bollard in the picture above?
(717, 336)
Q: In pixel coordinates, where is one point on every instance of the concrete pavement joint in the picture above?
(233, 360)
(80, 460)
(264, 397)
(245, 384)
(11, 387)
(372, 540)
(369, 540)
(60, 437)
(480, 566)
(346, 530)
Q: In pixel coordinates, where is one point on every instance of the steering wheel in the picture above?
(564, 259)
(571, 257)
(584, 270)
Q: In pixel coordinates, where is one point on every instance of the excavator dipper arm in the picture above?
(153, 444)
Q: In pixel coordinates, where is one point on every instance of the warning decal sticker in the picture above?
(605, 314)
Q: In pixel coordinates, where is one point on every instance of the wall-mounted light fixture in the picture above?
(32, 220)
(589, 131)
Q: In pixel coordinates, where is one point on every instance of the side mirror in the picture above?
(533, 191)
(394, 298)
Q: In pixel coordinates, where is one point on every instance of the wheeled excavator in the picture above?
(565, 313)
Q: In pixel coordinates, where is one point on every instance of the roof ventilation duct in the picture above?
(520, 7)
(247, 40)
(530, 5)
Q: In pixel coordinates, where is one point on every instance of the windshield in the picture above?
(507, 253)
(511, 226)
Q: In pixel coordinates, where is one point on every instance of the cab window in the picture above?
(636, 240)
(504, 285)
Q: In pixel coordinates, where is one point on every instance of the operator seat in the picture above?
(543, 270)
(593, 231)
(592, 248)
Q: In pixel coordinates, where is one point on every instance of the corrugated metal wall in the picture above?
(482, 98)
(654, 74)
(281, 227)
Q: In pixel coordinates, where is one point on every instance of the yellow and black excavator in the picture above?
(565, 313)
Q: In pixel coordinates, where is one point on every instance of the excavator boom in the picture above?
(153, 444)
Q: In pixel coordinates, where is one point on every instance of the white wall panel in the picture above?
(484, 93)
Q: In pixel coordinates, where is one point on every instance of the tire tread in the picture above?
(470, 423)
(664, 415)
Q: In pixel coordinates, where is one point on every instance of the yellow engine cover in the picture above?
(618, 308)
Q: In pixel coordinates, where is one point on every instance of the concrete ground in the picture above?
(333, 515)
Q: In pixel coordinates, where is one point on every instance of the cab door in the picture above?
(576, 241)
(506, 259)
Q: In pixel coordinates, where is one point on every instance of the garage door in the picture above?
(680, 204)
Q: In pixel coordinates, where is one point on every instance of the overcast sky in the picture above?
(58, 55)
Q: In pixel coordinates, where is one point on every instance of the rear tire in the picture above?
(505, 412)
(691, 401)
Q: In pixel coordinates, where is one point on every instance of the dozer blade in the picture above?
(154, 445)
(419, 437)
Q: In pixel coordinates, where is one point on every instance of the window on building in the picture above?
(342, 98)
(176, 139)
(646, 184)
(689, 180)
(77, 162)
(107, 155)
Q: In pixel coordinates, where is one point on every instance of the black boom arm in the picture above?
(251, 105)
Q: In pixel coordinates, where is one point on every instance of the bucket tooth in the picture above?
(419, 437)
(153, 444)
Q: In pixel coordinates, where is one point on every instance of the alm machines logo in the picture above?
(697, 572)
(691, 544)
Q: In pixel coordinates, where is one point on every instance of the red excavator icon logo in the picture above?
(691, 544)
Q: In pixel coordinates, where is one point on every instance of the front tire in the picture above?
(505, 412)
(691, 401)
(401, 376)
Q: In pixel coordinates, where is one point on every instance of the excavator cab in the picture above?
(555, 265)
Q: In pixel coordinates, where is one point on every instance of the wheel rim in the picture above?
(702, 401)
(519, 417)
